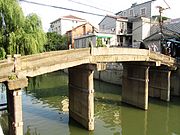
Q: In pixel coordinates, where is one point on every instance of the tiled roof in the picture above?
(83, 25)
(114, 16)
(70, 17)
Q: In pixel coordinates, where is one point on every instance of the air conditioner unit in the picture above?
(113, 29)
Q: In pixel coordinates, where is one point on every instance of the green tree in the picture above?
(157, 17)
(19, 34)
(55, 42)
(99, 42)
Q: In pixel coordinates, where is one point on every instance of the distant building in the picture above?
(140, 15)
(138, 10)
(83, 29)
(146, 9)
(170, 30)
(97, 40)
(120, 27)
(66, 23)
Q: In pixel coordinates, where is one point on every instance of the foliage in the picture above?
(4, 122)
(99, 42)
(164, 18)
(2, 53)
(19, 34)
(55, 42)
(12, 77)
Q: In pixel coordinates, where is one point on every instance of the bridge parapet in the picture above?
(37, 64)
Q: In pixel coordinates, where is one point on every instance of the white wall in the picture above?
(67, 25)
(141, 29)
(146, 28)
(61, 26)
(121, 25)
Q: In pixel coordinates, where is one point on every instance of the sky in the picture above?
(49, 14)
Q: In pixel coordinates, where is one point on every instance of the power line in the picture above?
(90, 6)
(168, 7)
(46, 5)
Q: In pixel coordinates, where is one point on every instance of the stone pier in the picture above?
(14, 101)
(159, 83)
(135, 84)
(175, 85)
(81, 95)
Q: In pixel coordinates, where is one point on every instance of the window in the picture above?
(143, 11)
(103, 27)
(51, 25)
(131, 12)
(125, 14)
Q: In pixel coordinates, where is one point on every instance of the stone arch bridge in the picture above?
(147, 73)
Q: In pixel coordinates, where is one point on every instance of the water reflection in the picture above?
(45, 104)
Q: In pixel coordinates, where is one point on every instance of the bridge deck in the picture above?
(37, 64)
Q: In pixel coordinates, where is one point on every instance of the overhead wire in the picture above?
(64, 8)
(90, 6)
(80, 11)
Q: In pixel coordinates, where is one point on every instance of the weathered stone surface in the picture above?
(17, 84)
(135, 85)
(14, 98)
(81, 95)
(159, 83)
(38, 64)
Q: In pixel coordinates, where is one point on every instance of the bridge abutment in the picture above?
(14, 101)
(81, 95)
(159, 83)
(135, 84)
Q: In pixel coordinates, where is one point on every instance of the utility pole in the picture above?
(160, 18)
(161, 26)
(161, 9)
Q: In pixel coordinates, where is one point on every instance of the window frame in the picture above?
(125, 14)
(131, 11)
(144, 8)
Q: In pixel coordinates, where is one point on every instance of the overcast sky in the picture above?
(49, 14)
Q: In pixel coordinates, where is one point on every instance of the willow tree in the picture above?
(19, 34)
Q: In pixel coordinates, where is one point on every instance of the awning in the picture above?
(104, 36)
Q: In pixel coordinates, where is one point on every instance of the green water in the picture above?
(43, 103)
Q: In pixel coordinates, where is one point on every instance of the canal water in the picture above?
(45, 111)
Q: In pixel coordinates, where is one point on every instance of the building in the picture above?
(146, 9)
(120, 26)
(141, 30)
(66, 23)
(138, 10)
(140, 15)
(97, 40)
(83, 29)
(170, 30)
